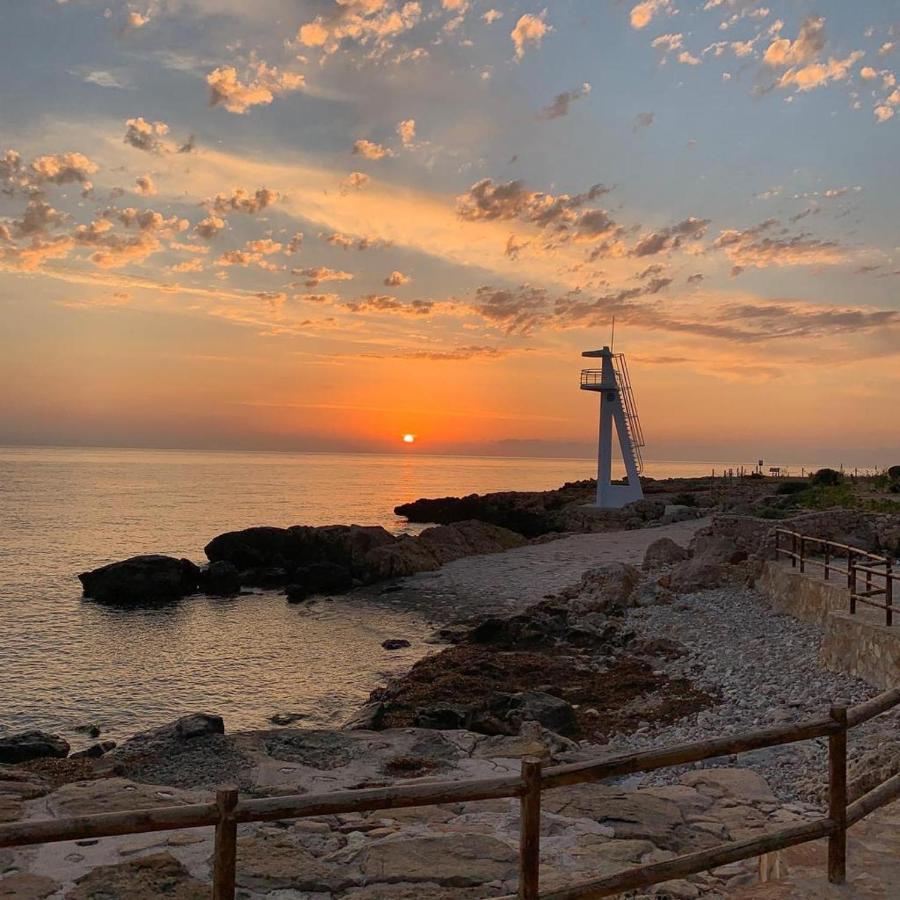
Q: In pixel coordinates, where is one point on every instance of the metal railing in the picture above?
(229, 809)
(876, 572)
(591, 378)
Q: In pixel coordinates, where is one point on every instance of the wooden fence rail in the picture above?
(870, 567)
(229, 810)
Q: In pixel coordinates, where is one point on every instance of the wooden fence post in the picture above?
(851, 581)
(793, 549)
(530, 830)
(837, 797)
(888, 594)
(225, 850)
(802, 555)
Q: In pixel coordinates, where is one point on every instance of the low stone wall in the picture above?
(804, 597)
(857, 645)
(860, 647)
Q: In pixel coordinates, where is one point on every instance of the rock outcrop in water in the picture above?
(536, 513)
(333, 557)
(18, 748)
(141, 580)
(304, 559)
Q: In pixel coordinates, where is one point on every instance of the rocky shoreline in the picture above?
(674, 646)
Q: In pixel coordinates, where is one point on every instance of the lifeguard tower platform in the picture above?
(617, 410)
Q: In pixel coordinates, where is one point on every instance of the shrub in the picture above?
(684, 499)
(828, 477)
(791, 487)
(894, 473)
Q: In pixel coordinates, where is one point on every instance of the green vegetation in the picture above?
(830, 477)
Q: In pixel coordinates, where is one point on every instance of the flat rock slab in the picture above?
(449, 860)
(109, 795)
(277, 862)
(735, 784)
(25, 886)
(147, 878)
(420, 892)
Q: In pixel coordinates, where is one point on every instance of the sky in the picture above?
(324, 224)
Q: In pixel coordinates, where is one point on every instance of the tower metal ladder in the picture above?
(632, 422)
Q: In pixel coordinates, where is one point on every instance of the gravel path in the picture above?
(766, 668)
(508, 582)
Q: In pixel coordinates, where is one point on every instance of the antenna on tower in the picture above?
(612, 337)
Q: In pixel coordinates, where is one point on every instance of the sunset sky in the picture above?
(324, 224)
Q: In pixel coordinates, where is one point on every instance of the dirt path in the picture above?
(508, 582)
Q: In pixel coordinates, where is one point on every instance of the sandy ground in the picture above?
(503, 583)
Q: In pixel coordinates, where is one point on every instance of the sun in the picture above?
(409, 438)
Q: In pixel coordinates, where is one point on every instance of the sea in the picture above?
(67, 663)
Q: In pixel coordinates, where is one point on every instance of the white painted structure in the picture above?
(616, 409)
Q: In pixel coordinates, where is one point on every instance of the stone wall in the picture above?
(804, 597)
(862, 648)
(857, 645)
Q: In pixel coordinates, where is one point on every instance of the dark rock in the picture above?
(536, 706)
(220, 579)
(395, 644)
(335, 557)
(444, 717)
(265, 577)
(19, 748)
(95, 751)
(286, 718)
(318, 578)
(366, 719)
(530, 513)
(664, 552)
(90, 730)
(197, 725)
(141, 580)
(317, 749)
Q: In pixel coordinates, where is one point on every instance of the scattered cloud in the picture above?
(529, 31)
(146, 136)
(396, 279)
(690, 229)
(642, 14)
(370, 150)
(406, 131)
(561, 103)
(315, 275)
(355, 181)
(241, 200)
(145, 185)
(259, 86)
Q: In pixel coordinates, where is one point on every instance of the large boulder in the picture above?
(530, 513)
(552, 712)
(28, 745)
(449, 542)
(187, 728)
(220, 579)
(333, 557)
(664, 552)
(141, 580)
(318, 578)
(146, 878)
(608, 588)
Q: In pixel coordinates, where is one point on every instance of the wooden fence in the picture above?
(870, 567)
(229, 810)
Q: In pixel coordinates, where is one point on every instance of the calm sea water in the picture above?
(65, 661)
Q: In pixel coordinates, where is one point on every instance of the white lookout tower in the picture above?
(616, 407)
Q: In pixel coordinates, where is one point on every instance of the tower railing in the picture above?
(632, 420)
